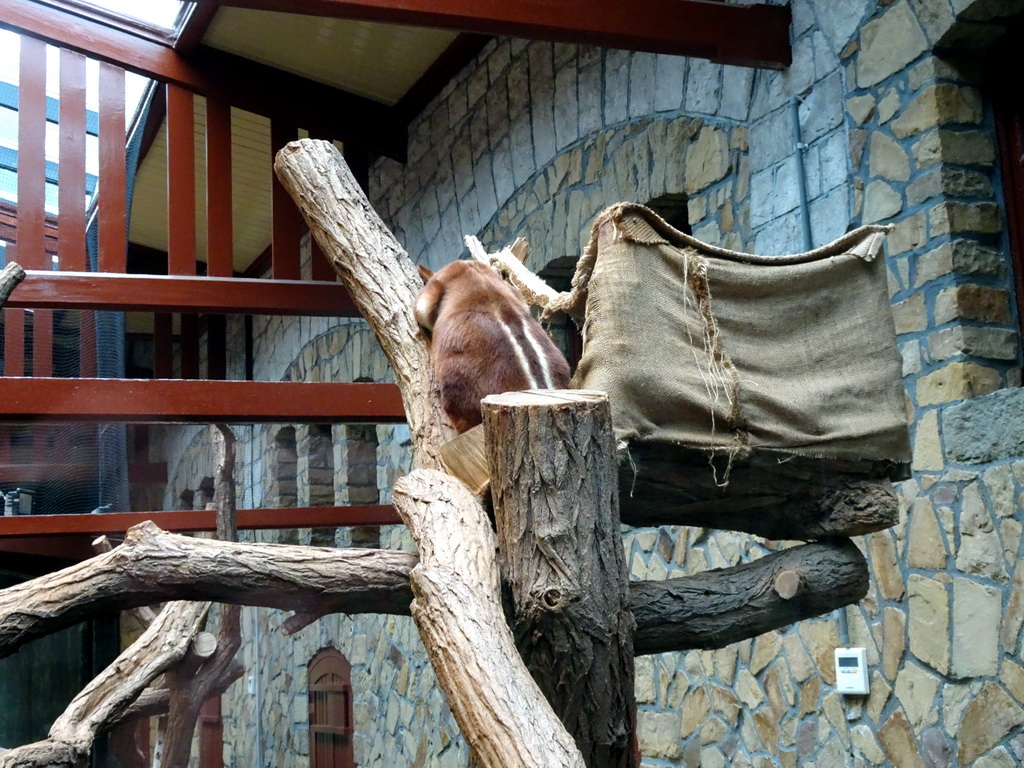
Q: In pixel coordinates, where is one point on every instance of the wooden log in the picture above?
(768, 495)
(143, 613)
(152, 566)
(716, 608)
(103, 701)
(378, 274)
(10, 277)
(465, 458)
(458, 610)
(554, 489)
(210, 666)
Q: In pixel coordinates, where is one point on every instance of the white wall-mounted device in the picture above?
(852, 671)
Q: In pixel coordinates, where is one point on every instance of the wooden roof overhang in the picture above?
(749, 35)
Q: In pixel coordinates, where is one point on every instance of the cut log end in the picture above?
(465, 457)
(545, 397)
(788, 584)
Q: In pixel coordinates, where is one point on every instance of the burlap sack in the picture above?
(712, 349)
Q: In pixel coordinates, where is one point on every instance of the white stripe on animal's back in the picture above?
(520, 354)
(542, 359)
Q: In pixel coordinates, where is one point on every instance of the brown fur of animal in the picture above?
(483, 340)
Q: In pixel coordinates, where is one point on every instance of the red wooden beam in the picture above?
(242, 83)
(31, 156)
(71, 188)
(25, 555)
(751, 35)
(219, 226)
(46, 472)
(113, 220)
(286, 220)
(196, 520)
(165, 293)
(181, 182)
(192, 402)
(195, 27)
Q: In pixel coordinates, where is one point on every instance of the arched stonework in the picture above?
(651, 158)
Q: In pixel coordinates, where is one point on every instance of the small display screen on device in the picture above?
(847, 661)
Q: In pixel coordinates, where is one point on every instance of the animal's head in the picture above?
(461, 282)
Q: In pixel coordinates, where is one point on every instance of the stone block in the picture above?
(970, 257)
(980, 551)
(908, 234)
(976, 614)
(566, 103)
(887, 159)
(769, 140)
(973, 302)
(894, 640)
(1013, 618)
(1011, 674)
(861, 108)
(707, 159)
(658, 734)
(916, 688)
(888, 44)
(925, 545)
(748, 689)
(695, 708)
(991, 343)
(889, 105)
(880, 691)
(840, 20)
(641, 84)
(910, 315)
(821, 111)
(830, 216)
(952, 146)
(957, 218)
(955, 381)
(897, 740)
(864, 742)
(939, 104)
(989, 717)
(801, 666)
(670, 81)
(821, 638)
(737, 90)
(885, 566)
(881, 202)
(703, 87)
(929, 621)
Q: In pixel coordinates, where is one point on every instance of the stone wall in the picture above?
(533, 139)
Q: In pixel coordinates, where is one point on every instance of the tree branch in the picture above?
(498, 706)
(104, 701)
(152, 566)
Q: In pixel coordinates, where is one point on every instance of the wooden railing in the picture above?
(52, 247)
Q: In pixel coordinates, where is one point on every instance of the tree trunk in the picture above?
(378, 274)
(555, 492)
(498, 706)
(715, 608)
(778, 497)
(152, 566)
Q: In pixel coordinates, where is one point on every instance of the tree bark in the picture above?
(555, 491)
(152, 566)
(201, 674)
(378, 274)
(104, 701)
(767, 495)
(10, 277)
(716, 608)
(498, 706)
